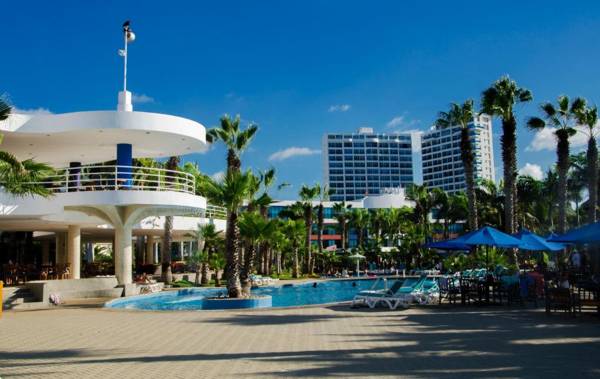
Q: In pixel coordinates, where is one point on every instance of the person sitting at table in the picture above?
(564, 281)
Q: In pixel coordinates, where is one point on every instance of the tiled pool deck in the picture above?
(430, 342)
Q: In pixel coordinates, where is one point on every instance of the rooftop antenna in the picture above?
(125, 96)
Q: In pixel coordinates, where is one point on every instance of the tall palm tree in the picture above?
(589, 118)
(340, 211)
(230, 193)
(21, 178)
(562, 119)
(307, 195)
(424, 201)
(167, 275)
(359, 220)
(235, 139)
(323, 193)
(462, 115)
(499, 100)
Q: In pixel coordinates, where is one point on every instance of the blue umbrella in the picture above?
(586, 234)
(488, 236)
(447, 245)
(533, 242)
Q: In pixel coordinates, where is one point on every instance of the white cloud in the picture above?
(400, 122)
(292, 152)
(533, 170)
(545, 139)
(33, 111)
(140, 98)
(218, 176)
(339, 108)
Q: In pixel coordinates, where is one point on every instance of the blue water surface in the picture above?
(285, 295)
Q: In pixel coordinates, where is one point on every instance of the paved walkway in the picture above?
(305, 342)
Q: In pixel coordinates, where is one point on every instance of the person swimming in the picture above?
(353, 284)
(315, 285)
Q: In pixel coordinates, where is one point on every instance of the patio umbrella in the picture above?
(532, 242)
(358, 257)
(586, 234)
(447, 245)
(488, 236)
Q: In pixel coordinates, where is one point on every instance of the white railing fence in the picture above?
(116, 177)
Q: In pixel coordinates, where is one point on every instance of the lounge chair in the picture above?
(403, 297)
(362, 296)
(428, 292)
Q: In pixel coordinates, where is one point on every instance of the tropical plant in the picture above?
(231, 193)
(323, 193)
(294, 231)
(588, 117)
(235, 139)
(254, 229)
(499, 100)
(307, 195)
(462, 115)
(208, 239)
(218, 263)
(563, 120)
(167, 275)
(21, 178)
(341, 213)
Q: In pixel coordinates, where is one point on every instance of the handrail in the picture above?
(118, 177)
(214, 211)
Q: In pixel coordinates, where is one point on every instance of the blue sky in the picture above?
(301, 69)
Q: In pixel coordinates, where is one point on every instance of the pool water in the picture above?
(285, 295)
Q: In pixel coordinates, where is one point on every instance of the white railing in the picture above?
(215, 211)
(117, 178)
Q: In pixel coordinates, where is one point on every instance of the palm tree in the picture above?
(424, 201)
(340, 211)
(491, 203)
(235, 139)
(255, 229)
(294, 230)
(307, 195)
(167, 275)
(218, 263)
(21, 178)
(323, 194)
(208, 239)
(231, 193)
(589, 117)
(499, 100)
(563, 119)
(529, 191)
(359, 220)
(462, 115)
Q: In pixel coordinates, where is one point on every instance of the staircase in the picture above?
(20, 298)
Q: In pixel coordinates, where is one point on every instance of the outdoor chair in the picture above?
(562, 299)
(363, 296)
(448, 289)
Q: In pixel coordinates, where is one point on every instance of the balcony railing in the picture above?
(214, 211)
(117, 178)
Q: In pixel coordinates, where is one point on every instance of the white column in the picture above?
(181, 251)
(60, 248)
(123, 254)
(149, 250)
(46, 252)
(74, 249)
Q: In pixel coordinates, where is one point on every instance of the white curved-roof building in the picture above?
(97, 191)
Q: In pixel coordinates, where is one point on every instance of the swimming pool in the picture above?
(285, 295)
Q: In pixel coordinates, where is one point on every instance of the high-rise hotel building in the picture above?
(442, 164)
(365, 163)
